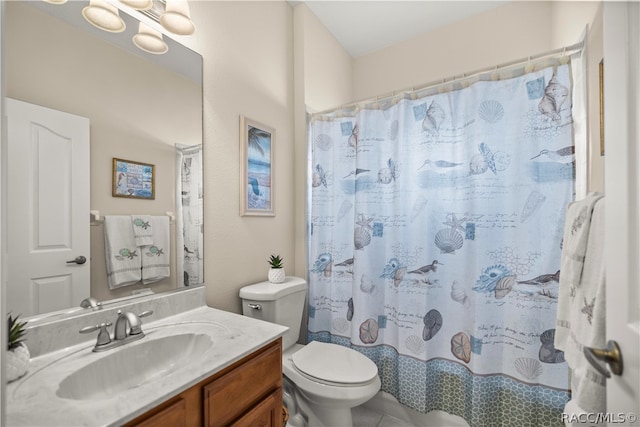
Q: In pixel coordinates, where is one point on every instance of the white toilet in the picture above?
(322, 381)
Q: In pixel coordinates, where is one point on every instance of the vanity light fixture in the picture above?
(150, 40)
(138, 4)
(55, 1)
(103, 15)
(177, 18)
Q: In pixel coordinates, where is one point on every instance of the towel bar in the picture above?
(96, 219)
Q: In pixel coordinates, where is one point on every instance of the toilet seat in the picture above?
(333, 364)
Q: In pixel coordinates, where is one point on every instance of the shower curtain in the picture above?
(436, 222)
(189, 220)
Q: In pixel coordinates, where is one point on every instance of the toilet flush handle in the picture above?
(255, 306)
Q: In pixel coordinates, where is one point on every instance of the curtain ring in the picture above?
(529, 68)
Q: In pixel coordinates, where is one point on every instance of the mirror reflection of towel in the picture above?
(155, 257)
(123, 257)
(142, 229)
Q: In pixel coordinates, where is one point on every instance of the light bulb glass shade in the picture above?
(177, 18)
(103, 15)
(138, 4)
(150, 40)
(55, 1)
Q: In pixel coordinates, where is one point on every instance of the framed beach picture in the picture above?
(133, 179)
(256, 168)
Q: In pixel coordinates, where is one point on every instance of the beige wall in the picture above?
(499, 35)
(250, 59)
(248, 70)
(322, 78)
(569, 21)
(595, 54)
(328, 68)
(80, 74)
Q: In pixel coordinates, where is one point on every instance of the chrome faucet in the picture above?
(128, 328)
(91, 302)
(104, 339)
(132, 321)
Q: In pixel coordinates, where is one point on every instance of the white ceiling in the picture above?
(362, 27)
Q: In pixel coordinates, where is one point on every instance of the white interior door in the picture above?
(622, 190)
(47, 208)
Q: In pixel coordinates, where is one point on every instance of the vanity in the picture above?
(247, 393)
(199, 367)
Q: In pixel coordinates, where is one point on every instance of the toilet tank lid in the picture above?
(267, 291)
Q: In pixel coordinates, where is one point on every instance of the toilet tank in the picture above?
(280, 303)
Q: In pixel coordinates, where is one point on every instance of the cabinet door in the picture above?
(237, 391)
(267, 413)
(174, 415)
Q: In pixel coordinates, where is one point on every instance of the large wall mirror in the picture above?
(140, 107)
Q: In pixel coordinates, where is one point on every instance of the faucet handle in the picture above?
(137, 329)
(146, 313)
(103, 336)
(143, 314)
(93, 328)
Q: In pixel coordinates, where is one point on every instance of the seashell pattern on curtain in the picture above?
(444, 208)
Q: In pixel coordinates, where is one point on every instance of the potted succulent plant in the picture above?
(276, 272)
(18, 355)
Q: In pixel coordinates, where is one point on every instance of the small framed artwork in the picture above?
(133, 180)
(257, 142)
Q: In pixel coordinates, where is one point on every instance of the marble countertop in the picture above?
(32, 400)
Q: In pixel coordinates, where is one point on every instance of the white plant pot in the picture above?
(276, 275)
(18, 361)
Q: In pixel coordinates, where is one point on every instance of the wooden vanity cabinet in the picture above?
(247, 393)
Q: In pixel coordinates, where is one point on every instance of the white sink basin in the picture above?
(74, 386)
(133, 365)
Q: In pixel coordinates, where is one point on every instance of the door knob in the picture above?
(610, 355)
(78, 260)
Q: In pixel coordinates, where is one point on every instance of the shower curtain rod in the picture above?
(435, 83)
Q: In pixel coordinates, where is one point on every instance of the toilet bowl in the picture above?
(323, 381)
(325, 391)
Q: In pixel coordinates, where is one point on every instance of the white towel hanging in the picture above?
(581, 308)
(123, 258)
(142, 229)
(155, 258)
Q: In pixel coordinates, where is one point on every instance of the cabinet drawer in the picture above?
(174, 415)
(267, 413)
(241, 388)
